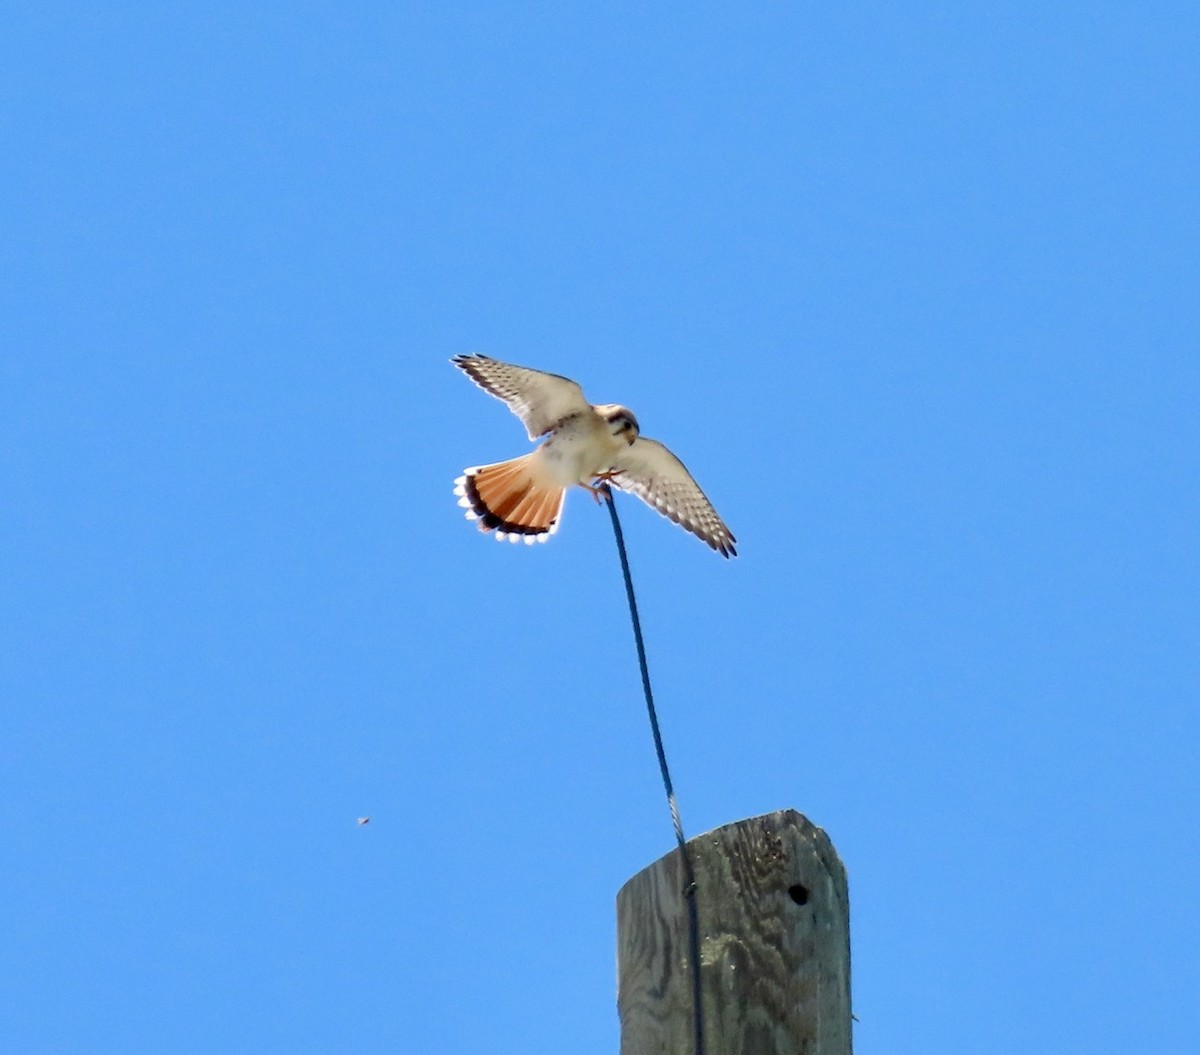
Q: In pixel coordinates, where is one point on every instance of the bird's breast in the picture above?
(577, 450)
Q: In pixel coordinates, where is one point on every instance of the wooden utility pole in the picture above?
(774, 922)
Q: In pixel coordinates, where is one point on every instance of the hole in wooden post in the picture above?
(798, 893)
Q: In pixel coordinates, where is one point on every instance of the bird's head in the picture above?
(620, 420)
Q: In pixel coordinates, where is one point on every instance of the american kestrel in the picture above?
(522, 499)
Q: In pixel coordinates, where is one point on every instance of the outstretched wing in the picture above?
(539, 399)
(647, 469)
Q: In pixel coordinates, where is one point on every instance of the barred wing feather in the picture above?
(539, 399)
(650, 471)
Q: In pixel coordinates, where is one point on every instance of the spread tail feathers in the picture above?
(509, 499)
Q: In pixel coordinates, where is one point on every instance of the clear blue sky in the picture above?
(913, 291)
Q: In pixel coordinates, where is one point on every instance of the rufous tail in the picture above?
(509, 499)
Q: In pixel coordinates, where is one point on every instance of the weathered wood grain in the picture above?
(774, 940)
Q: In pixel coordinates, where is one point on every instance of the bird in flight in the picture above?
(522, 499)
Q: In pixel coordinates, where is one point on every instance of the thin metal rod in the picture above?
(689, 876)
